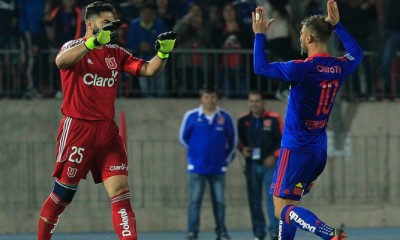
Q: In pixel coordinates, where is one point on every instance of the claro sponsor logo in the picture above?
(304, 225)
(124, 222)
(118, 167)
(99, 81)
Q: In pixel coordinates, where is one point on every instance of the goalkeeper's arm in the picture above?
(164, 45)
(69, 57)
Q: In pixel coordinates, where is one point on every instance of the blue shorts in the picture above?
(296, 172)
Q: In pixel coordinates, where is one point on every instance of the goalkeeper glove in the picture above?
(104, 36)
(165, 43)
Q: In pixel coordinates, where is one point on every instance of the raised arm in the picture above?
(278, 70)
(164, 45)
(67, 58)
(351, 46)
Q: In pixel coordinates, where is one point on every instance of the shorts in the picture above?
(296, 172)
(89, 145)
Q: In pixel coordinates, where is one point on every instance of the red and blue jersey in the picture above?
(315, 83)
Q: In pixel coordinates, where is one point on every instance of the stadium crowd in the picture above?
(32, 32)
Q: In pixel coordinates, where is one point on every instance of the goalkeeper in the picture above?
(88, 138)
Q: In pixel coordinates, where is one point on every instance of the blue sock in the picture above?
(286, 231)
(306, 220)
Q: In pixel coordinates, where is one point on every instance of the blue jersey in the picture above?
(314, 85)
(211, 143)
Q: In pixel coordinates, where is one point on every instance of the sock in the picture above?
(306, 220)
(123, 216)
(52, 209)
(286, 231)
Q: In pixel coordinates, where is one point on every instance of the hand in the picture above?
(333, 12)
(259, 23)
(165, 44)
(270, 161)
(104, 36)
(246, 151)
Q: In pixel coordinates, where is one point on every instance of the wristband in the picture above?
(90, 43)
(163, 56)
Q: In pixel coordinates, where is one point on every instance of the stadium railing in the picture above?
(231, 71)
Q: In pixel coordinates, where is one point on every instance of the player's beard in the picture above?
(96, 30)
(304, 50)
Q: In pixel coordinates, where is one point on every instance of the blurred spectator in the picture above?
(244, 8)
(130, 10)
(33, 40)
(231, 34)
(165, 12)
(64, 24)
(193, 33)
(360, 19)
(392, 40)
(9, 81)
(182, 7)
(311, 7)
(280, 37)
(142, 34)
(127, 12)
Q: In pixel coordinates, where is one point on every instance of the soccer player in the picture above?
(314, 85)
(88, 136)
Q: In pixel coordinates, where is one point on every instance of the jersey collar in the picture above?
(317, 55)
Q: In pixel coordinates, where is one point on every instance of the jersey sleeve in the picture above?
(241, 130)
(290, 71)
(232, 139)
(70, 44)
(131, 64)
(185, 130)
(354, 53)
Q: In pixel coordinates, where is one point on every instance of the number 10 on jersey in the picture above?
(328, 92)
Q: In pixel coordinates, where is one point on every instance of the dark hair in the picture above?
(319, 27)
(209, 90)
(97, 7)
(257, 92)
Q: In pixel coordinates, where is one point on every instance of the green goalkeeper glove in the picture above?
(104, 36)
(165, 43)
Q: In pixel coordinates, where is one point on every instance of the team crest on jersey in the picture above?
(267, 123)
(220, 120)
(71, 172)
(111, 63)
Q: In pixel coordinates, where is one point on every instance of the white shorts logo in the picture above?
(118, 167)
(71, 172)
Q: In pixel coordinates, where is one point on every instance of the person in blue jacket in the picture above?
(314, 85)
(209, 135)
